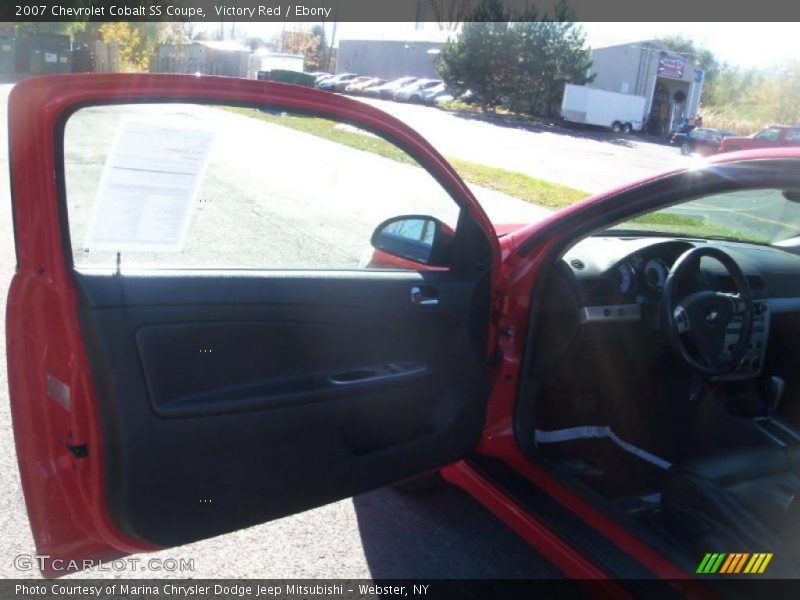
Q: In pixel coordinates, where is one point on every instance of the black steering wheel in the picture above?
(701, 324)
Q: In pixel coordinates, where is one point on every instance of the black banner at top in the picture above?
(442, 11)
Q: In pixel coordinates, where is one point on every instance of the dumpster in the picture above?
(8, 46)
(284, 76)
(45, 53)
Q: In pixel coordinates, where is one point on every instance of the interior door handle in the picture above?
(424, 295)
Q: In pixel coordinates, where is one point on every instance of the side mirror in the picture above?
(415, 238)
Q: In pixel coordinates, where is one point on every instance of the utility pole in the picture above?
(330, 50)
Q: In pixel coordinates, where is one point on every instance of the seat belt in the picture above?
(587, 432)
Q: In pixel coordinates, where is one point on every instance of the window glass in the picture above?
(765, 216)
(793, 135)
(770, 135)
(191, 186)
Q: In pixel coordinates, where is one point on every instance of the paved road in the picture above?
(589, 160)
(593, 161)
(379, 534)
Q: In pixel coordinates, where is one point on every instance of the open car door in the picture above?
(193, 346)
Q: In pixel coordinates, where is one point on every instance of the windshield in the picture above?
(765, 216)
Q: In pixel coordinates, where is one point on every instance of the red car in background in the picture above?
(771, 137)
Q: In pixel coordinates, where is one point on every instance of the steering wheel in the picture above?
(699, 323)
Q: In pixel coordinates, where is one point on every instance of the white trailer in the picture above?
(619, 112)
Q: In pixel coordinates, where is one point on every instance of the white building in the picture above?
(669, 81)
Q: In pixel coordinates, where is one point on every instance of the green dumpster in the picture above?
(49, 53)
(8, 48)
(284, 76)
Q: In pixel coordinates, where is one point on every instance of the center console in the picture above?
(753, 362)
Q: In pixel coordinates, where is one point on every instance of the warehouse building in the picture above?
(225, 58)
(670, 82)
(389, 59)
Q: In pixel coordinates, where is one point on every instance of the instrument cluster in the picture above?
(637, 275)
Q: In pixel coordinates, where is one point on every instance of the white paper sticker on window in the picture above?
(150, 182)
(50, 58)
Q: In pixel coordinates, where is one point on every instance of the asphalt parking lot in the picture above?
(443, 533)
(585, 159)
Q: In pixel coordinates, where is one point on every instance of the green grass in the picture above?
(533, 190)
(682, 224)
(518, 185)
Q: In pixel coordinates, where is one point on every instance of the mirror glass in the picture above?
(417, 238)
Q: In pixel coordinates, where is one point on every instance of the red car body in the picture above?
(65, 484)
(775, 136)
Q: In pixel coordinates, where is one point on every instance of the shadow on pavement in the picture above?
(441, 533)
(556, 126)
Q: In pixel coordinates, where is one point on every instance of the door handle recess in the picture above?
(394, 370)
(424, 295)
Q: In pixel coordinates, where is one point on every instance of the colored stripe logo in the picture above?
(734, 563)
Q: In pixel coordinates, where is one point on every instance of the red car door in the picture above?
(157, 406)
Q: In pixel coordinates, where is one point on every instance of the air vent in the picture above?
(577, 264)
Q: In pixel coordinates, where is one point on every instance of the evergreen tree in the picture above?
(523, 64)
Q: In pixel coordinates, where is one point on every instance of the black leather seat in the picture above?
(741, 501)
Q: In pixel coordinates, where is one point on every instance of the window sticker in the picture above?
(150, 182)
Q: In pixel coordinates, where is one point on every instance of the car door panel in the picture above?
(202, 401)
(213, 395)
(156, 408)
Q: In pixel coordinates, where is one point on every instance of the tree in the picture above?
(523, 64)
(322, 52)
(66, 28)
(548, 54)
(176, 32)
(311, 44)
(137, 42)
(450, 14)
(478, 60)
(777, 94)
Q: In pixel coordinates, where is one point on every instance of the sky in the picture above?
(759, 45)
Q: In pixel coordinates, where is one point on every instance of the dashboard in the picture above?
(621, 280)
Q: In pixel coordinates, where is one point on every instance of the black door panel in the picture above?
(216, 367)
(227, 403)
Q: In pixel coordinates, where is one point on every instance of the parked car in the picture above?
(341, 85)
(322, 77)
(342, 79)
(412, 92)
(599, 379)
(704, 141)
(771, 137)
(388, 89)
(358, 87)
(429, 95)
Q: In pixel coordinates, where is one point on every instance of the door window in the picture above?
(182, 186)
(769, 135)
(793, 136)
